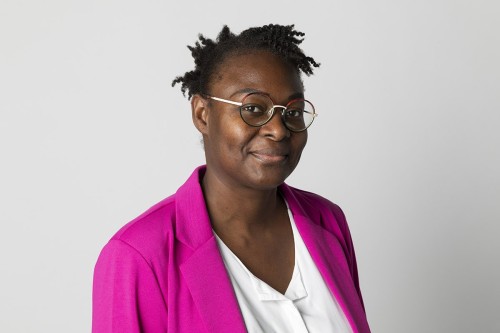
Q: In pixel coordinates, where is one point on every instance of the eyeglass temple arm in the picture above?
(225, 101)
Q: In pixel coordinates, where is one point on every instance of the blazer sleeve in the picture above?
(126, 296)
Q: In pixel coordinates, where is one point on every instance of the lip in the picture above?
(270, 156)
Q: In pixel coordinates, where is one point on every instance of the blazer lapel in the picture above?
(212, 291)
(204, 271)
(329, 257)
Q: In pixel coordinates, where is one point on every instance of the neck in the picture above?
(240, 209)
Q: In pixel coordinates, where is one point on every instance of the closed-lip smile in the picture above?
(270, 155)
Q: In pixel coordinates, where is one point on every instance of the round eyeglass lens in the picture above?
(299, 115)
(256, 109)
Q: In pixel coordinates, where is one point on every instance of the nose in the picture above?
(275, 129)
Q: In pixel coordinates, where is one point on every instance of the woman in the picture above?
(235, 249)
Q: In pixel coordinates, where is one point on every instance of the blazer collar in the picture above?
(193, 223)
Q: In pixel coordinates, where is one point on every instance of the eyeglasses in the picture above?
(257, 109)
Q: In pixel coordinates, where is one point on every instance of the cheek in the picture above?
(299, 141)
(232, 135)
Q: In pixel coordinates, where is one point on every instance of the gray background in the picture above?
(407, 143)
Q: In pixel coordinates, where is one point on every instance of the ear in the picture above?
(199, 113)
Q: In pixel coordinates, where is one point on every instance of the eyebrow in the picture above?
(251, 90)
(245, 91)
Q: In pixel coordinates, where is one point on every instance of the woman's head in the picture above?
(263, 61)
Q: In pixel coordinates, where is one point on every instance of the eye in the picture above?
(294, 113)
(253, 108)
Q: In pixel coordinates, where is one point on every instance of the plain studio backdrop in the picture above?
(407, 142)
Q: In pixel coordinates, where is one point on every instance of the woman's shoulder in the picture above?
(329, 216)
(314, 203)
(149, 232)
(129, 277)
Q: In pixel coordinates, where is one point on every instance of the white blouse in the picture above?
(307, 306)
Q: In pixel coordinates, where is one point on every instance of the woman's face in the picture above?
(241, 155)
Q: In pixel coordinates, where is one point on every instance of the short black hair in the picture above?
(282, 40)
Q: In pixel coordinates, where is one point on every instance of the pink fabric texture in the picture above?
(163, 272)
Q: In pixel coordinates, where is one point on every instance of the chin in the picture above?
(269, 179)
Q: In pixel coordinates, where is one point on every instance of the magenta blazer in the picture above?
(163, 272)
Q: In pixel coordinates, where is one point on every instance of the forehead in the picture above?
(256, 70)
